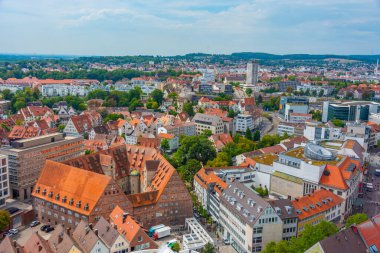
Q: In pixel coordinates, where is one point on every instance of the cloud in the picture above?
(182, 26)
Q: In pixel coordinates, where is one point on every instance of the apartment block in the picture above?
(208, 122)
(4, 180)
(27, 157)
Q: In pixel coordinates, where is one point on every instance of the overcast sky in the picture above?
(168, 27)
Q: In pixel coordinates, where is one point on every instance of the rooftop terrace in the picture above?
(299, 153)
(266, 159)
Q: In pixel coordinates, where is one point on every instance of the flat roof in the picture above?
(267, 159)
(299, 154)
(288, 177)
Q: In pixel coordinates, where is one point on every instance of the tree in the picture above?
(165, 144)
(321, 93)
(259, 99)
(61, 127)
(248, 134)
(209, 248)
(173, 96)
(356, 219)
(188, 170)
(5, 219)
(188, 108)
(157, 95)
(249, 92)
(316, 115)
(231, 113)
(310, 236)
(206, 133)
(338, 122)
(289, 89)
(176, 247)
(113, 117)
(97, 94)
(195, 147)
(256, 135)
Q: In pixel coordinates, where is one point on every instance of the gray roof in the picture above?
(346, 241)
(85, 237)
(206, 119)
(283, 208)
(244, 202)
(106, 232)
(60, 241)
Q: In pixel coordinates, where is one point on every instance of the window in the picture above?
(139, 239)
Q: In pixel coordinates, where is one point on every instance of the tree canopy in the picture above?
(5, 218)
(356, 219)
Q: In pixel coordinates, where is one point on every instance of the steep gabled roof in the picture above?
(64, 181)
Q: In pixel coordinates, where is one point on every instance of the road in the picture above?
(371, 205)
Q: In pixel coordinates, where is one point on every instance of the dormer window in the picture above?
(86, 207)
(79, 204)
(57, 196)
(64, 199)
(44, 192)
(38, 189)
(50, 194)
(71, 202)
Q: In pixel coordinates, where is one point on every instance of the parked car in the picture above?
(13, 231)
(226, 241)
(44, 227)
(49, 229)
(34, 223)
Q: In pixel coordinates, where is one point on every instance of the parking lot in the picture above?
(26, 232)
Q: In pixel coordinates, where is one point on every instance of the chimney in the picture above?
(125, 216)
(68, 231)
(115, 226)
(39, 248)
(14, 242)
(90, 226)
(19, 249)
(96, 232)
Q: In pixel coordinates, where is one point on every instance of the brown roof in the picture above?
(82, 123)
(106, 232)
(129, 228)
(62, 181)
(36, 244)
(60, 241)
(8, 246)
(345, 241)
(85, 237)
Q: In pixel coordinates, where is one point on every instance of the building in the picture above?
(61, 242)
(4, 180)
(220, 140)
(347, 241)
(252, 74)
(320, 90)
(302, 170)
(110, 236)
(288, 215)
(67, 195)
(370, 233)
(349, 111)
(292, 129)
(152, 184)
(87, 239)
(178, 129)
(301, 101)
(299, 117)
(27, 157)
(131, 231)
(295, 108)
(248, 221)
(208, 122)
(319, 131)
(243, 122)
(284, 85)
(362, 133)
(316, 207)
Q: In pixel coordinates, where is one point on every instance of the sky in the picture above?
(168, 27)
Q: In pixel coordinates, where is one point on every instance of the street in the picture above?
(371, 205)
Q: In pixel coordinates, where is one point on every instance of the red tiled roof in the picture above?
(321, 200)
(370, 231)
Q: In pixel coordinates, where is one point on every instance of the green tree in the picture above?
(157, 95)
(248, 134)
(97, 94)
(208, 248)
(309, 236)
(61, 127)
(259, 99)
(188, 108)
(249, 92)
(165, 145)
(173, 96)
(256, 135)
(176, 247)
(206, 133)
(5, 219)
(338, 122)
(195, 147)
(189, 169)
(289, 89)
(113, 117)
(316, 115)
(356, 219)
(231, 113)
(321, 93)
